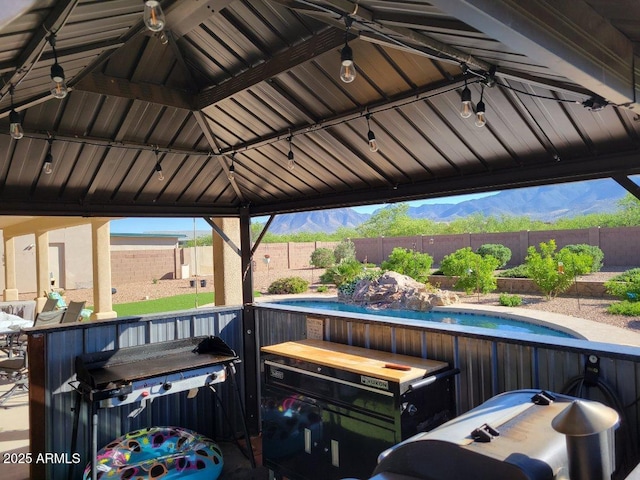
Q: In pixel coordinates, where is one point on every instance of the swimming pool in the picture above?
(453, 318)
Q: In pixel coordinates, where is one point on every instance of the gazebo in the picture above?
(228, 110)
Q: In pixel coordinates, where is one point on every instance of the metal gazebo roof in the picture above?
(243, 83)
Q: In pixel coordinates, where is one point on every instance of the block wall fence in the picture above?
(621, 247)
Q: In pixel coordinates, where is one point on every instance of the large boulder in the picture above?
(396, 291)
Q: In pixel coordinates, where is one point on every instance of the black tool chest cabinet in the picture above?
(328, 410)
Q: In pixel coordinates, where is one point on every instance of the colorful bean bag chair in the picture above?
(159, 452)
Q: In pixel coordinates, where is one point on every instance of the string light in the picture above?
(153, 15)
(47, 167)
(481, 120)
(291, 163)
(158, 168)
(466, 109)
(347, 67)
(373, 144)
(15, 124)
(232, 169)
(58, 84)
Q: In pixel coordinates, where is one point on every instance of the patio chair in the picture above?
(50, 305)
(48, 318)
(15, 370)
(72, 313)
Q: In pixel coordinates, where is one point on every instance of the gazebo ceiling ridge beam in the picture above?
(365, 20)
(321, 42)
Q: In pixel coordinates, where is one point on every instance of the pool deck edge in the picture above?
(586, 329)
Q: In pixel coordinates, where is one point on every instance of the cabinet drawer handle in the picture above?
(307, 440)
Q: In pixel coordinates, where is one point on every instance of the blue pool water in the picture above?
(452, 318)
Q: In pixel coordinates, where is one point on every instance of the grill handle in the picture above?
(425, 382)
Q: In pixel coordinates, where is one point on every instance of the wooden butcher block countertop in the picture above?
(358, 360)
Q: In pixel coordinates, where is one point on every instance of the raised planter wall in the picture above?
(526, 285)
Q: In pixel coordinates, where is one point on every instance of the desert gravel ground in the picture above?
(589, 308)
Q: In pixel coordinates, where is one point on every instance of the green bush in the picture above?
(322, 289)
(508, 300)
(630, 275)
(554, 272)
(497, 251)
(322, 258)
(409, 262)
(343, 272)
(345, 251)
(288, 285)
(474, 272)
(631, 309)
(596, 253)
(520, 271)
(625, 286)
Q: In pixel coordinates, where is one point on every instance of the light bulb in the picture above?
(15, 127)
(232, 172)
(373, 144)
(481, 120)
(159, 172)
(347, 67)
(47, 168)
(466, 110)
(291, 163)
(58, 85)
(153, 15)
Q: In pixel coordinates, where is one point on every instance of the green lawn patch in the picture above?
(167, 304)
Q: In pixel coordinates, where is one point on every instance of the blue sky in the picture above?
(149, 225)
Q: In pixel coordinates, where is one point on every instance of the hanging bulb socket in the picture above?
(373, 144)
(466, 109)
(481, 119)
(291, 163)
(15, 125)
(232, 169)
(347, 67)
(58, 84)
(47, 167)
(153, 15)
(159, 172)
(371, 137)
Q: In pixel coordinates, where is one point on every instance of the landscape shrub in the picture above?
(596, 253)
(474, 272)
(625, 286)
(520, 271)
(409, 262)
(508, 300)
(345, 251)
(322, 289)
(497, 251)
(343, 272)
(554, 272)
(626, 307)
(288, 285)
(322, 258)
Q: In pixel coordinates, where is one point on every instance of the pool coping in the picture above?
(583, 328)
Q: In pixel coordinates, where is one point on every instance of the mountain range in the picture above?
(546, 203)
